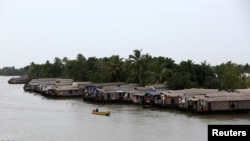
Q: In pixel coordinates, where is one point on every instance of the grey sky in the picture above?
(38, 30)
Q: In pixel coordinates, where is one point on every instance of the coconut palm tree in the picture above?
(115, 68)
(138, 65)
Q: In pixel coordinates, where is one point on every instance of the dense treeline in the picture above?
(10, 71)
(144, 69)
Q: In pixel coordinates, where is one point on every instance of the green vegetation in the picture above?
(140, 68)
(11, 71)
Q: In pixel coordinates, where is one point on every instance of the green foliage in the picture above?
(205, 76)
(229, 76)
(11, 71)
(248, 82)
(159, 70)
(115, 67)
(140, 68)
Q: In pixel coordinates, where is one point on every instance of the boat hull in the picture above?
(107, 113)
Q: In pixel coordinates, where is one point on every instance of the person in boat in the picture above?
(95, 110)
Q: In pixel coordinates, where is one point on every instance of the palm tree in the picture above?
(138, 65)
(115, 68)
(162, 77)
(160, 70)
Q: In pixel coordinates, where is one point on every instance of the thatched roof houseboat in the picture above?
(19, 80)
(182, 99)
(65, 91)
(223, 101)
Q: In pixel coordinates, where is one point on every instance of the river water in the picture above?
(28, 116)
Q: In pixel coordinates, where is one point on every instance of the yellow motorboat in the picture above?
(107, 113)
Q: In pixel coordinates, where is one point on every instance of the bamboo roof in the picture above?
(243, 90)
(227, 98)
(66, 87)
(226, 94)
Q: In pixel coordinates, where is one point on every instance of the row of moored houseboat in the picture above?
(158, 95)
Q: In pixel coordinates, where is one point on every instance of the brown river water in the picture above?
(32, 117)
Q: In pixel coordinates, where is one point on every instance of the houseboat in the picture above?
(223, 101)
(65, 91)
(19, 80)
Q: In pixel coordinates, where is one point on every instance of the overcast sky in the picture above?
(215, 31)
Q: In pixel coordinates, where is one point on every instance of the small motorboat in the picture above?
(107, 113)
